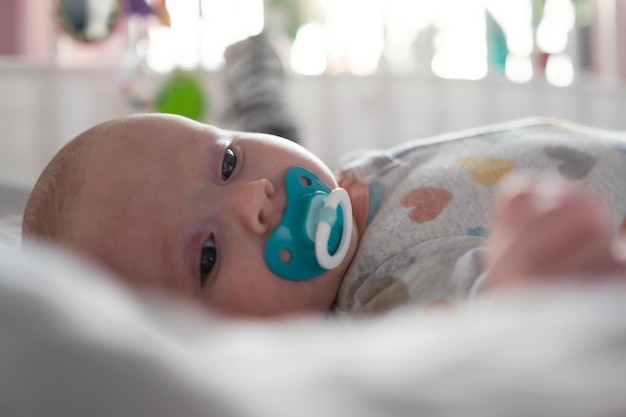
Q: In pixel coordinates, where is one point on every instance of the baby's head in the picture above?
(169, 203)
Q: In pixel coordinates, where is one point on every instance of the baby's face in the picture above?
(187, 207)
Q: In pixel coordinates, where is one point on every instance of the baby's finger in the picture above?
(514, 202)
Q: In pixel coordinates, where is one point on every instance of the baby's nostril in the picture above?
(285, 255)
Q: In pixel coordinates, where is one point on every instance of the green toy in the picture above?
(182, 94)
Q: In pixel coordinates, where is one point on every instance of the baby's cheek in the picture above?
(359, 196)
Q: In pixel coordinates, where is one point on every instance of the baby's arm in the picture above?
(550, 231)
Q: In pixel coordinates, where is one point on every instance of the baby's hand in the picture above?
(550, 231)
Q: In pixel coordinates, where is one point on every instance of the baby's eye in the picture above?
(228, 164)
(207, 259)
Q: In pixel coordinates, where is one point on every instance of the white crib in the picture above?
(42, 108)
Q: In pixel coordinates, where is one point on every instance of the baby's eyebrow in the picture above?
(203, 156)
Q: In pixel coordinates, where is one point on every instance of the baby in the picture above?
(169, 203)
(173, 204)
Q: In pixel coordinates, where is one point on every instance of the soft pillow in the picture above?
(12, 202)
(11, 231)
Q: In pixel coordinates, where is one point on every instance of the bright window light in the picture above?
(308, 53)
(515, 18)
(226, 22)
(558, 19)
(519, 69)
(160, 60)
(355, 40)
(352, 35)
(404, 20)
(559, 70)
(460, 44)
(201, 31)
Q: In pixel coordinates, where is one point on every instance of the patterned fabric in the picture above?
(429, 205)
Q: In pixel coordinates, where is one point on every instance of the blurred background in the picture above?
(358, 73)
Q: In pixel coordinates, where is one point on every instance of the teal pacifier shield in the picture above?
(290, 250)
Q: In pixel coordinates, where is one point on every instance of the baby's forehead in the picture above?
(137, 135)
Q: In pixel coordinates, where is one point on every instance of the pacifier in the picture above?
(315, 233)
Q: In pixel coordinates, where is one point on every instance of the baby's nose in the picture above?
(256, 207)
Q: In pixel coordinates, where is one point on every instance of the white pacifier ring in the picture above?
(338, 196)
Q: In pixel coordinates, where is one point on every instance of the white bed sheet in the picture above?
(12, 202)
(74, 342)
(10, 231)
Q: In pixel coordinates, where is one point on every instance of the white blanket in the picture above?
(10, 231)
(74, 343)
